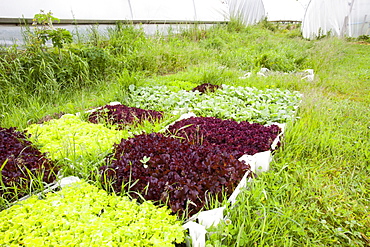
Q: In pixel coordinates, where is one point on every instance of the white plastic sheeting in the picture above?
(211, 10)
(162, 10)
(339, 17)
(249, 11)
(179, 10)
(253, 11)
(284, 10)
(166, 10)
(68, 9)
(359, 19)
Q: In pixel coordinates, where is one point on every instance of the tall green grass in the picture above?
(317, 193)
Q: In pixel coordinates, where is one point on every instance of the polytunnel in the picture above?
(250, 11)
(108, 12)
(151, 13)
(144, 10)
(253, 11)
(342, 18)
(88, 12)
(285, 10)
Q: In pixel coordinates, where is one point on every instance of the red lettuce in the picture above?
(206, 87)
(168, 170)
(20, 163)
(122, 115)
(230, 136)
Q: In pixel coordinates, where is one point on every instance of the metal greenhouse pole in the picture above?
(346, 22)
(130, 6)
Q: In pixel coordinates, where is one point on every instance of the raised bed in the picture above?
(121, 115)
(225, 102)
(82, 215)
(174, 172)
(235, 138)
(193, 158)
(23, 168)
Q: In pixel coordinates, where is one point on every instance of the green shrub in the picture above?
(364, 37)
(98, 59)
(43, 31)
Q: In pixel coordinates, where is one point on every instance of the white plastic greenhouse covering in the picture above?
(166, 10)
(253, 11)
(285, 10)
(339, 17)
(250, 11)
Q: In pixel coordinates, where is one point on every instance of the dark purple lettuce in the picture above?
(230, 136)
(206, 87)
(122, 115)
(21, 162)
(179, 174)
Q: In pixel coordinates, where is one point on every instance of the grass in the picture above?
(317, 193)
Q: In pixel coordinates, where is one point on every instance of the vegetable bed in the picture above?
(83, 215)
(226, 102)
(180, 174)
(73, 139)
(183, 166)
(121, 115)
(20, 163)
(235, 138)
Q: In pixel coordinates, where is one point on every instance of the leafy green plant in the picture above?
(81, 214)
(365, 38)
(98, 59)
(45, 31)
(173, 85)
(72, 139)
(228, 102)
(268, 25)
